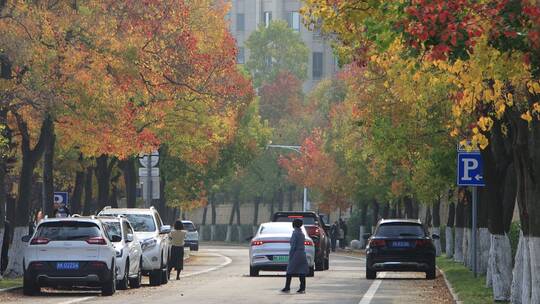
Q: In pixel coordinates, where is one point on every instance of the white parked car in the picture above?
(73, 251)
(269, 250)
(154, 239)
(128, 252)
(192, 236)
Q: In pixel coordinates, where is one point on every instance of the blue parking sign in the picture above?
(61, 198)
(470, 169)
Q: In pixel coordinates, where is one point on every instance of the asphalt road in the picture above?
(220, 274)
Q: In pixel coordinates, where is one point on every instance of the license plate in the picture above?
(400, 244)
(67, 265)
(281, 258)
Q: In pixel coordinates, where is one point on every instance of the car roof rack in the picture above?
(75, 215)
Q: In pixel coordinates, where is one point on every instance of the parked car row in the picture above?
(110, 251)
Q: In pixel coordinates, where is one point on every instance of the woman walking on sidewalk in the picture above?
(298, 265)
(178, 236)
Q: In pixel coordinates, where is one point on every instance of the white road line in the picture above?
(227, 262)
(349, 257)
(77, 300)
(368, 296)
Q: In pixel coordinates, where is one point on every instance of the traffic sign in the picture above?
(470, 169)
(143, 172)
(61, 198)
(154, 159)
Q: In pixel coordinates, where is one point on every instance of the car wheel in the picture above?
(109, 287)
(431, 273)
(326, 263)
(311, 272)
(371, 274)
(319, 264)
(195, 248)
(123, 284)
(164, 273)
(155, 277)
(30, 287)
(136, 282)
(253, 272)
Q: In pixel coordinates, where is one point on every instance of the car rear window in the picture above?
(189, 227)
(68, 231)
(308, 220)
(276, 229)
(400, 230)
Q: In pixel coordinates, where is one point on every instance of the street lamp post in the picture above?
(298, 150)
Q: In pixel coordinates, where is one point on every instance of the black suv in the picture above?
(400, 245)
(317, 231)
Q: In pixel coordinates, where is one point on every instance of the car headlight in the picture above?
(119, 253)
(148, 243)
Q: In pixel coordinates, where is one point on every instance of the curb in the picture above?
(450, 288)
(10, 288)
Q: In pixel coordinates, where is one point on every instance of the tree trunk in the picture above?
(213, 219)
(363, 224)
(130, 180)
(386, 210)
(375, 215)
(48, 178)
(89, 207)
(30, 157)
(103, 175)
(76, 197)
(459, 231)
(258, 200)
(409, 209)
(113, 198)
(291, 197)
(280, 199)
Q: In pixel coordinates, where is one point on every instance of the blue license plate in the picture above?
(67, 265)
(401, 244)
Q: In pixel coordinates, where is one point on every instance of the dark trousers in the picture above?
(302, 282)
(334, 241)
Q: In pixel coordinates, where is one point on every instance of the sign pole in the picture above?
(149, 181)
(474, 227)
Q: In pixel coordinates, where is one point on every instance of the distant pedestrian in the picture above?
(178, 236)
(343, 241)
(33, 225)
(341, 234)
(60, 210)
(334, 232)
(298, 264)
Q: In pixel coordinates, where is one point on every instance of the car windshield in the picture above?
(276, 229)
(308, 220)
(189, 227)
(68, 231)
(140, 222)
(114, 228)
(400, 230)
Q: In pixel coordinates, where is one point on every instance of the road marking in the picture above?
(227, 262)
(77, 300)
(348, 256)
(368, 296)
(10, 288)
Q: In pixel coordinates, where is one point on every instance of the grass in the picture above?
(7, 283)
(470, 290)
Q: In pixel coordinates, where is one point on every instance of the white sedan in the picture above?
(269, 250)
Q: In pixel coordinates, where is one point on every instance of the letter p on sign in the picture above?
(470, 169)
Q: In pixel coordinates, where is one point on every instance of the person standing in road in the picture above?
(178, 235)
(334, 231)
(298, 264)
(343, 242)
(341, 234)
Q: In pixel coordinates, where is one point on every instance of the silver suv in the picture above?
(154, 238)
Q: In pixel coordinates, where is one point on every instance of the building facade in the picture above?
(246, 15)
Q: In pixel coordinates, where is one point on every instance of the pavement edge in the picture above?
(450, 288)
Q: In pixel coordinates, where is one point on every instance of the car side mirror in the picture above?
(115, 238)
(129, 237)
(435, 236)
(366, 236)
(26, 238)
(165, 229)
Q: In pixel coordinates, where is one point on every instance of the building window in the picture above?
(240, 57)
(317, 65)
(267, 17)
(240, 22)
(294, 21)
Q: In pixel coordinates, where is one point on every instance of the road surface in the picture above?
(219, 274)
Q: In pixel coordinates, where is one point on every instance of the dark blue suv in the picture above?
(400, 245)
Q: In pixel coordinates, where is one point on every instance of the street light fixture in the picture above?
(298, 150)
